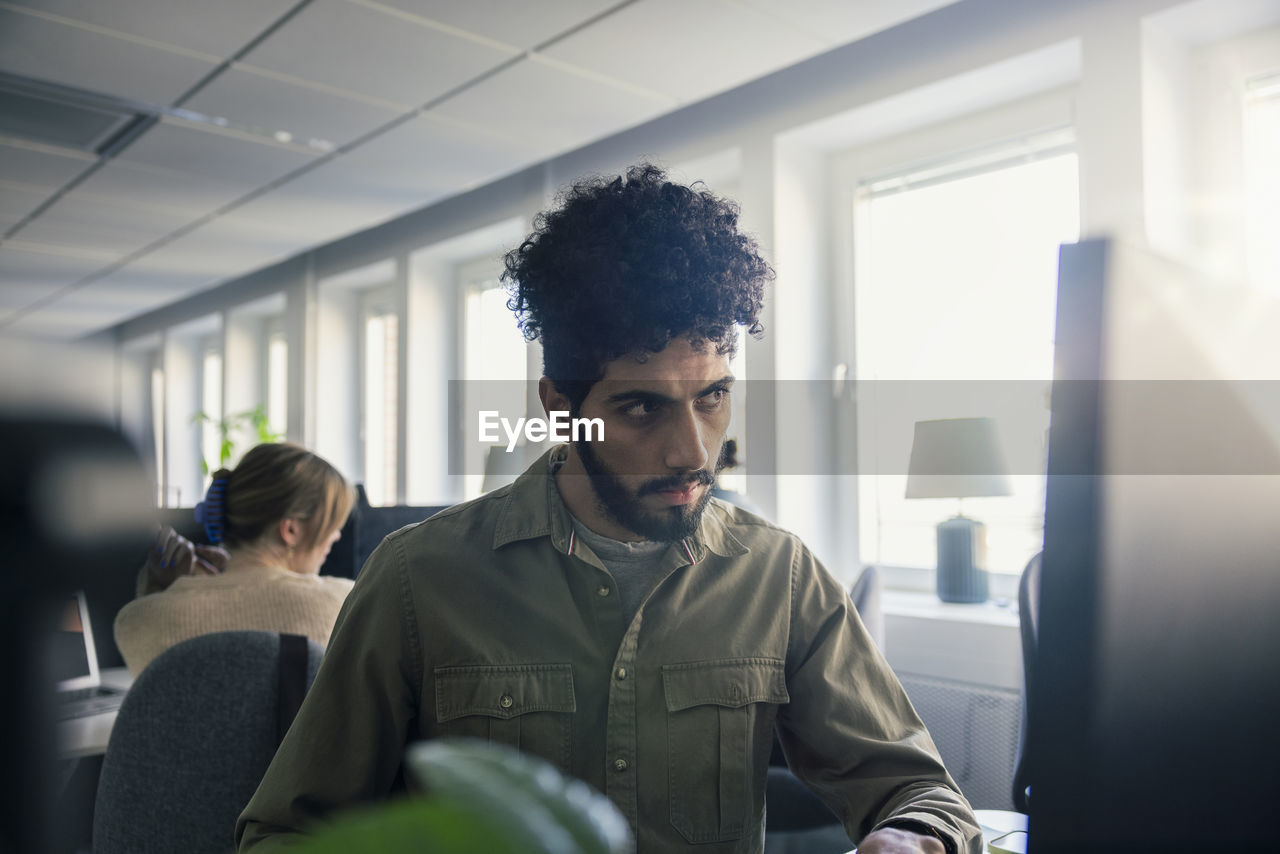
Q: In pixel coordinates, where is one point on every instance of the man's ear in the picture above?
(552, 399)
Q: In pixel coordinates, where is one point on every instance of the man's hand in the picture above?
(893, 840)
(172, 556)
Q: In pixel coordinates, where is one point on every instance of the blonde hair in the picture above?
(281, 480)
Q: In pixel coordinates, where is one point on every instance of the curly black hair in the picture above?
(624, 265)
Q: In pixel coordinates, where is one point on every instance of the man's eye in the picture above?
(640, 409)
(714, 399)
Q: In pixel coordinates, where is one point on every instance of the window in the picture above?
(211, 406)
(1262, 181)
(735, 478)
(157, 432)
(277, 378)
(380, 398)
(955, 283)
(494, 362)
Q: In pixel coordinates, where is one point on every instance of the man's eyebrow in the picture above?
(723, 382)
(634, 395)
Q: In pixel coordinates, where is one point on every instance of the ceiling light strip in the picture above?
(317, 86)
(598, 77)
(440, 26)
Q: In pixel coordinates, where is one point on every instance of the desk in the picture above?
(88, 736)
(1000, 831)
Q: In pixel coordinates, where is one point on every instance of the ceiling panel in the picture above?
(16, 201)
(419, 162)
(272, 105)
(358, 49)
(186, 195)
(839, 21)
(109, 226)
(516, 22)
(218, 28)
(34, 47)
(40, 168)
(690, 66)
(236, 161)
(73, 317)
(29, 276)
(159, 281)
(549, 106)
(223, 248)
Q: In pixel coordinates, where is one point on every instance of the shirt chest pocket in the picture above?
(526, 706)
(720, 718)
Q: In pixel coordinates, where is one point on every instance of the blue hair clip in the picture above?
(209, 512)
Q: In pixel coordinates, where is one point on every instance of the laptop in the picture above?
(74, 663)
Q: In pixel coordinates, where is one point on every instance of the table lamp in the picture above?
(958, 458)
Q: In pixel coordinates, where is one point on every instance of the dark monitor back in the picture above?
(1155, 713)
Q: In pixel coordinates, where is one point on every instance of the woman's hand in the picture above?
(173, 556)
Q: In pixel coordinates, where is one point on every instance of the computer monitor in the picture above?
(1155, 706)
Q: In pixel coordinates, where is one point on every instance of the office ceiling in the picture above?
(151, 149)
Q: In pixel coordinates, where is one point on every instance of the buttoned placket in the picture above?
(621, 722)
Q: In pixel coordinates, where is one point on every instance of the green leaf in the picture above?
(413, 826)
(552, 813)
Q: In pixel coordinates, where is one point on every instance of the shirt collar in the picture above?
(532, 508)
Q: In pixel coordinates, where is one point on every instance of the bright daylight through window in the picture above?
(956, 272)
(381, 401)
(1262, 181)
(495, 360)
(211, 406)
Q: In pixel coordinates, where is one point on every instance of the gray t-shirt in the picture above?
(632, 565)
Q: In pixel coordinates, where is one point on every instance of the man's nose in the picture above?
(684, 449)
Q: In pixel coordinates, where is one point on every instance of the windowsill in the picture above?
(919, 580)
(911, 603)
(976, 643)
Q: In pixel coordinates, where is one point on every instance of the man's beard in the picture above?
(622, 504)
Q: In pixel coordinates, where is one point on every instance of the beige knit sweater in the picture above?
(250, 598)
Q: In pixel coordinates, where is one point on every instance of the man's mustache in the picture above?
(677, 482)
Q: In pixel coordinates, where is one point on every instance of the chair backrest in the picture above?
(1029, 626)
(190, 744)
(865, 593)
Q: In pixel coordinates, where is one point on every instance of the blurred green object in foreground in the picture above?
(480, 798)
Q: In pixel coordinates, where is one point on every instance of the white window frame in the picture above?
(210, 436)
(944, 145)
(473, 277)
(380, 301)
(273, 330)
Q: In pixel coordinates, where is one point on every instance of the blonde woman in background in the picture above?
(273, 520)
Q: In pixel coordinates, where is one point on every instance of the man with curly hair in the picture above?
(604, 612)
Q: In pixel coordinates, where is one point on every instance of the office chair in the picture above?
(194, 737)
(1029, 629)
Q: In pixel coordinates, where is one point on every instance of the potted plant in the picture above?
(253, 422)
(477, 797)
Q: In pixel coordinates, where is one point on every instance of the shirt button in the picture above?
(603, 591)
(621, 673)
(506, 701)
(620, 765)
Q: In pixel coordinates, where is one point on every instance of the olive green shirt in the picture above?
(492, 620)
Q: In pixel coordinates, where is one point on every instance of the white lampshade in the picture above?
(956, 458)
